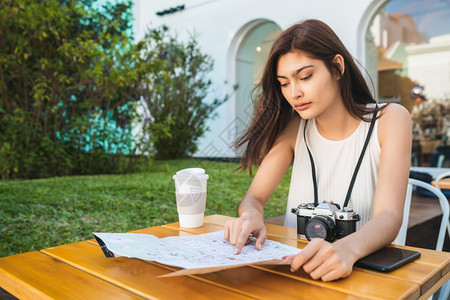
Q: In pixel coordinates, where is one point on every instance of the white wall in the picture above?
(429, 65)
(221, 24)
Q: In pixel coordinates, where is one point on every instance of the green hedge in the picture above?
(72, 80)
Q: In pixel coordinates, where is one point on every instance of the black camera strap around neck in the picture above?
(352, 182)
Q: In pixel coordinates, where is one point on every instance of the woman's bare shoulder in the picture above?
(288, 136)
(395, 111)
(395, 120)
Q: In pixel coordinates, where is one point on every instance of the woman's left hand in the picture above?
(323, 260)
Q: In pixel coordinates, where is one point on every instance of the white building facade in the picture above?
(429, 61)
(238, 34)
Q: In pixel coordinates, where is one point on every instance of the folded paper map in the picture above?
(196, 254)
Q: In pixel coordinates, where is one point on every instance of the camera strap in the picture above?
(352, 182)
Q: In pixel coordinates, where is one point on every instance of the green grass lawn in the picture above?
(37, 214)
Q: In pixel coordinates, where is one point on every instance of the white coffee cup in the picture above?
(190, 192)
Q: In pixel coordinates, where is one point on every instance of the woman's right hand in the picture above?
(269, 174)
(237, 231)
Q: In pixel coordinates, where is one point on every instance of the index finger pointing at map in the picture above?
(226, 233)
(261, 239)
(242, 240)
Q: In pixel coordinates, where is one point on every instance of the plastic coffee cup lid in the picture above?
(198, 173)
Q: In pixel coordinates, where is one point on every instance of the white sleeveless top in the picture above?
(335, 162)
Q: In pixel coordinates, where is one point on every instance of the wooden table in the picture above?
(435, 172)
(81, 271)
(444, 183)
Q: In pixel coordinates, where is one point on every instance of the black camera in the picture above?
(326, 221)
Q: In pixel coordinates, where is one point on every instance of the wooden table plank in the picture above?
(269, 285)
(435, 258)
(160, 231)
(360, 283)
(257, 282)
(207, 227)
(137, 276)
(426, 271)
(403, 288)
(34, 275)
(444, 183)
(217, 219)
(429, 293)
(422, 274)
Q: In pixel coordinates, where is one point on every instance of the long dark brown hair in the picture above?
(272, 111)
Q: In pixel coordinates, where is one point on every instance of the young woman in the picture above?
(312, 89)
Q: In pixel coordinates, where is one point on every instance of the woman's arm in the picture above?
(269, 174)
(395, 136)
(332, 261)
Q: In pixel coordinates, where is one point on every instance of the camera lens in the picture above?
(320, 227)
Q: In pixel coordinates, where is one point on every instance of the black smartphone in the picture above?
(387, 259)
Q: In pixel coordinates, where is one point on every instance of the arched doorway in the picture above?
(251, 56)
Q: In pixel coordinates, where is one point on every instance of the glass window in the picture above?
(251, 58)
(410, 42)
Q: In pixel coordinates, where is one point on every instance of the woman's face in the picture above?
(307, 84)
